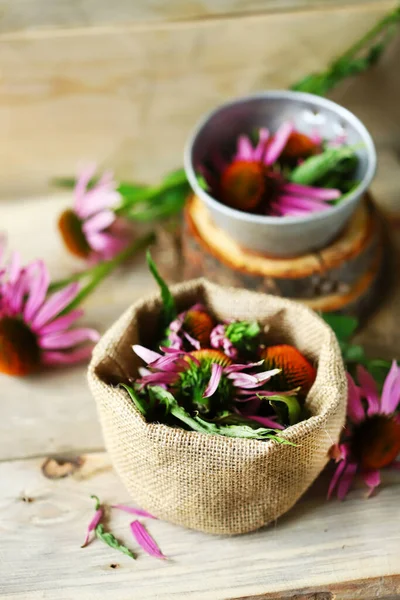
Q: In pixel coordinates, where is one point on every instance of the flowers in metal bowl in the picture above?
(220, 378)
(285, 173)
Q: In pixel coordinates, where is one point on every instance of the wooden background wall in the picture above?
(123, 82)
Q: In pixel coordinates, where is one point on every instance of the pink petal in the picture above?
(262, 143)
(391, 390)
(51, 358)
(244, 149)
(316, 138)
(301, 203)
(81, 185)
(355, 410)
(160, 378)
(216, 372)
(106, 244)
(241, 367)
(98, 199)
(372, 479)
(145, 354)
(347, 480)
(38, 291)
(145, 540)
(92, 525)
(16, 294)
(278, 143)
(54, 305)
(266, 375)
(68, 339)
(243, 380)
(369, 390)
(311, 192)
(195, 343)
(133, 511)
(100, 221)
(266, 421)
(338, 472)
(14, 267)
(62, 322)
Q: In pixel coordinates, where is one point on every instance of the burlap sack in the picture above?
(212, 483)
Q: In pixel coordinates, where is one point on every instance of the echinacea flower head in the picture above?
(300, 146)
(35, 330)
(91, 229)
(372, 439)
(205, 380)
(253, 179)
(191, 328)
(296, 369)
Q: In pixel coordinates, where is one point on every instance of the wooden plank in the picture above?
(128, 96)
(318, 543)
(18, 15)
(53, 411)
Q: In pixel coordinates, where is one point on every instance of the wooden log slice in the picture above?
(342, 277)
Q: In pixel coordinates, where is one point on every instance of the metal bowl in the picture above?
(279, 236)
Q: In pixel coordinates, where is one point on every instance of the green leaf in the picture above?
(318, 166)
(343, 326)
(353, 353)
(167, 203)
(169, 306)
(109, 539)
(139, 402)
(351, 63)
(242, 334)
(175, 178)
(202, 182)
(291, 403)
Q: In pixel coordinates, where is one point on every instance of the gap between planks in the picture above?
(196, 21)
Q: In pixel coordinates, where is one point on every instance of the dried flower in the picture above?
(372, 437)
(254, 178)
(199, 375)
(193, 326)
(91, 229)
(35, 327)
(296, 370)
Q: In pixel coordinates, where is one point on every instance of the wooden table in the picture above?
(320, 550)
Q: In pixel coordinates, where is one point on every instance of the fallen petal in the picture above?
(92, 525)
(145, 540)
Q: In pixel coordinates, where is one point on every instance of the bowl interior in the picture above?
(216, 136)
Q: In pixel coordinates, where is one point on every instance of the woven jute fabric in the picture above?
(209, 482)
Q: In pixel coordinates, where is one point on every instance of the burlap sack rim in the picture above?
(293, 433)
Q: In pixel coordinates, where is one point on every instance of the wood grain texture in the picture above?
(127, 96)
(318, 545)
(344, 277)
(20, 15)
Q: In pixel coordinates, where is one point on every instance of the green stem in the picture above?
(349, 63)
(100, 271)
(390, 18)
